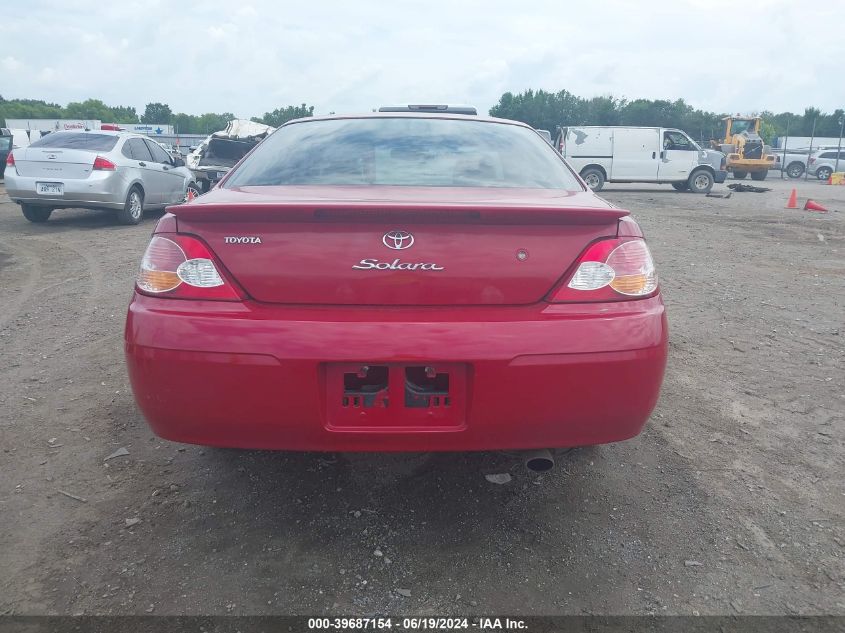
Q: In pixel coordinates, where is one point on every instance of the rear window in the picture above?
(5, 142)
(77, 140)
(405, 151)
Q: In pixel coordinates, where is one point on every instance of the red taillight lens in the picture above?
(810, 160)
(610, 270)
(103, 164)
(10, 160)
(182, 267)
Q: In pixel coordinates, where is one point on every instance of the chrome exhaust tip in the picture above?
(539, 461)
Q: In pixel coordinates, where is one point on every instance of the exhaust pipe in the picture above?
(539, 461)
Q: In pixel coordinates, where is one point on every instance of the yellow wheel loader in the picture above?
(744, 149)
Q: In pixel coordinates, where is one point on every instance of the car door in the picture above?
(143, 161)
(172, 181)
(635, 154)
(678, 157)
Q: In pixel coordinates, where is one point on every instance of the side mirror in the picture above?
(178, 162)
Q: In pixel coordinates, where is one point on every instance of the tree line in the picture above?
(540, 109)
(547, 110)
(94, 109)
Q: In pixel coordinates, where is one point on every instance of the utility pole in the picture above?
(812, 138)
(839, 147)
(783, 161)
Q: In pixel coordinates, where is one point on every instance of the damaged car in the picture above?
(222, 150)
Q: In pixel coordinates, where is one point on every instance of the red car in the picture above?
(397, 282)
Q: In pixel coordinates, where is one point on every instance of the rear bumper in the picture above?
(251, 376)
(212, 174)
(106, 190)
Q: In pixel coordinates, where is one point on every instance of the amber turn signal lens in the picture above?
(629, 284)
(158, 280)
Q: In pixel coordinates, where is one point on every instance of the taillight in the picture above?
(810, 160)
(610, 270)
(182, 267)
(103, 164)
(10, 160)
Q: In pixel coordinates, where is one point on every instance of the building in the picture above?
(60, 125)
(803, 142)
(52, 125)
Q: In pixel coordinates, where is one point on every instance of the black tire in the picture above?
(681, 186)
(759, 175)
(795, 170)
(701, 181)
(594, 178)
(740, 175)
(133, 209)
(823, 173)
(36, 214)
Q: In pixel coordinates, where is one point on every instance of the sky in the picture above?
(252, 56)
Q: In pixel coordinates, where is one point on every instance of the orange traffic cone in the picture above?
(793, 200)
(811, 205)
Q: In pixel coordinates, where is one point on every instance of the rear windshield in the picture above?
(5, 142)
(405, 151)
(77, 140)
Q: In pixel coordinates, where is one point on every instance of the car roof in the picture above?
(411, 115)
(453, 108)
(102, 132)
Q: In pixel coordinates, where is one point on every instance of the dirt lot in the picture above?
(731, 501)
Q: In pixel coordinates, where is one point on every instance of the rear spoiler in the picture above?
(379, 212)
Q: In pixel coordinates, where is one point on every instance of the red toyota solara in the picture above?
(397, 282)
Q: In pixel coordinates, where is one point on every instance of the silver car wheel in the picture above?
(795, 171)
(135, 208)
(592, 181)
(701, 181)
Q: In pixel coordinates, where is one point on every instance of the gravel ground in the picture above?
(731, 501)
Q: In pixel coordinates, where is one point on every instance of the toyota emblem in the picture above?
(398, 240)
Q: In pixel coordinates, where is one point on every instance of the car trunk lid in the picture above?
(59, 163)
(398, 245)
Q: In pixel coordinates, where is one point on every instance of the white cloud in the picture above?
(208, 56)
(11, 64)
(46, 74)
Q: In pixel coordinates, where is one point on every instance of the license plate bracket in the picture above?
(50, 188)
(380, 396)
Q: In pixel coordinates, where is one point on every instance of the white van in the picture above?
(640, 154)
